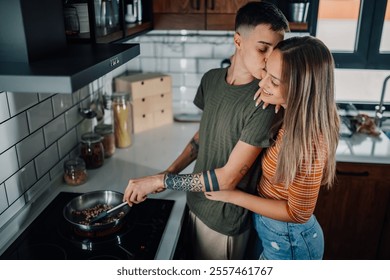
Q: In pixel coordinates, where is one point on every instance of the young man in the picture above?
(231, 135)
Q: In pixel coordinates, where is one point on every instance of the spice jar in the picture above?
(92, 150)
(74, 172)
(122, 119)
(107, 132)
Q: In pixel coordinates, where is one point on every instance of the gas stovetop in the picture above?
(51, 237)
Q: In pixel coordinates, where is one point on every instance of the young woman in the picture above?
(299, 76)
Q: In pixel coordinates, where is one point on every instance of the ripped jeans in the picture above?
(289, 241)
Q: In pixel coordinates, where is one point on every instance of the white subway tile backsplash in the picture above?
(170, 50)
(39, 187)
(223, 50)
(46, 160)
(61, 102)
(19, 102)
(155, 64)
(57, 170)
(182, 65)
(30, 147)
(198, 50)
(54, 130)
(84, 92)
(12, 210)
(40, 114)
(11, 166)
(134, 64)
(72, 117)
(205, 65)
(12, 131)
(43, 96)
(3, 199)
(67, 142)
(147, 49)
(4, 111)
(192, 79)
(20, 182)
(177, 79)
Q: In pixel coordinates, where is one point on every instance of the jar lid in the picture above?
(74, 163)
(91, 137)
(104, 129)
(120, 95)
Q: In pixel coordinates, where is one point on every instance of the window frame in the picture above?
(368, 39)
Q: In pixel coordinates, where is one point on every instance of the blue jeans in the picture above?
(289, 241)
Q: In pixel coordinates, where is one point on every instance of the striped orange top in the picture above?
(301, 195)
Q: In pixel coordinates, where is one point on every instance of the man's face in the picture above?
(256, 46)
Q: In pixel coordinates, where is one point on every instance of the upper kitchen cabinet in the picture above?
(220, 15)
(106, 21)
(356, 31)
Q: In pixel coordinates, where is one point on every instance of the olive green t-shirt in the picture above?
(229, 115)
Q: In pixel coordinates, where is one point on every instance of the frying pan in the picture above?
(89, 200)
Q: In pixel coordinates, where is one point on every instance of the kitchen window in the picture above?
(356, 31)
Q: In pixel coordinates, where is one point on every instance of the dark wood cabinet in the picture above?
(210, 14)
(355, 213)
(97, 32)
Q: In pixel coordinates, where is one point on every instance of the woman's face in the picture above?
(273, 88)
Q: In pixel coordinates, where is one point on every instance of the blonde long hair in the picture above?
(311, 120)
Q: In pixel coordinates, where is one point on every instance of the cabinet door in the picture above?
(184, 14)
(221, 15)
(352, 213)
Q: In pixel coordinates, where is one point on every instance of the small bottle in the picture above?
(74, 172)
(122, 119)
(107, 132)
(92, 150)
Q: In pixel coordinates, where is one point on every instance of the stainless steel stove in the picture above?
(51, 237)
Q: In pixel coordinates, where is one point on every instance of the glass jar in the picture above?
(74, 172)
(107, 132)
(122, 119)
(92, 150)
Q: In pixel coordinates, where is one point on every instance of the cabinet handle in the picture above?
(196, 4)
(351, 173)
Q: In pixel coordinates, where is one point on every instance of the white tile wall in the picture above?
(38, 133)
(12, 131)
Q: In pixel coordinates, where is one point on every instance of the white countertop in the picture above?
(361, 148)
(151, 152)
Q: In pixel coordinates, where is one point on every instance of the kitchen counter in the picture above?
(361, 148)
(151, 152)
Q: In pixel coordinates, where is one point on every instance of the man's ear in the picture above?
(237, 40)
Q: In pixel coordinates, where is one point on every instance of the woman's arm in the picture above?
(301, 200)
(271, 208)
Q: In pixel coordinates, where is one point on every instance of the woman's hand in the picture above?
(138, 189)
(258, 100)
(224, 196)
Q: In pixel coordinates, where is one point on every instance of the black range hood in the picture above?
(35, 56)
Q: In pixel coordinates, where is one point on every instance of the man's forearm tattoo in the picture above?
(192, 182)
(183, 182)
(194, 148)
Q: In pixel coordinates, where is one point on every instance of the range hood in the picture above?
(35, 56)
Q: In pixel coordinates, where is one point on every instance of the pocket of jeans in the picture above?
(314, 239)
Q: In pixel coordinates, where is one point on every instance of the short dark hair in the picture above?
(253, 14)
